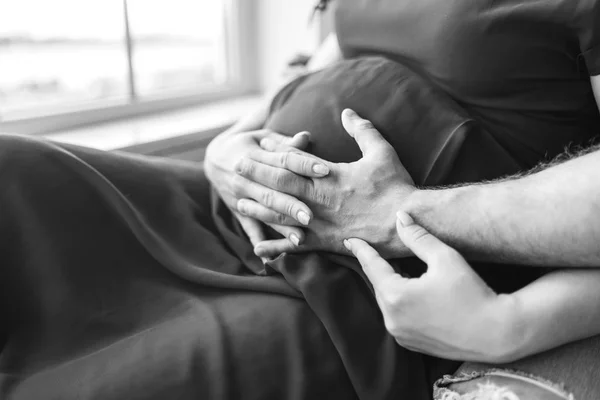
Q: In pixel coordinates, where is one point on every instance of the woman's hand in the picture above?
(282, 212)
(449, 311)
(355, 199)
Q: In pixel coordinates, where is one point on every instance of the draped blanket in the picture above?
(126, 277)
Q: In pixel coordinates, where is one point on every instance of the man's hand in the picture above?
(449, 311)
(354, 199)
(284, 213)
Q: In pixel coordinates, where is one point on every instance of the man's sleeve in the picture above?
(587, 24)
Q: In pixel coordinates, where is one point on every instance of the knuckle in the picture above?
(239, 166)
(290, 208)
(392, 298)
(327, 201)
(280, 218)
(242, 206)
(319, 197)
(284, 179)
(279, 179)
(245, 166)
(305, 165)
(393, 327)
(364, 124)
(266, 198)
(284, 159)
(418, 233)
(237, 185)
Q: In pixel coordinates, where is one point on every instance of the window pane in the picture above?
(61, 53)
(177, 44)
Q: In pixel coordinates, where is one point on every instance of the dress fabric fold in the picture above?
(125, 276)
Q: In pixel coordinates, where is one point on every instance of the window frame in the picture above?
(240, 38)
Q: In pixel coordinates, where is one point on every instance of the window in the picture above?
(68, 62)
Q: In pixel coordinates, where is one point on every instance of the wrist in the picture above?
(390, 245)
(505, 328)
(407, 200)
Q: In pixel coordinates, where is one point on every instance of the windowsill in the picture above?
(151, 134)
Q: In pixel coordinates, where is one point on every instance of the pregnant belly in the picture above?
(434, 137)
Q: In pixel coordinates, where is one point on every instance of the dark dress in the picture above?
(126, 277)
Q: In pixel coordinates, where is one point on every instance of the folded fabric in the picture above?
(126, 277)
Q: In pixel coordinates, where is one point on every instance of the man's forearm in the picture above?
(549, 218)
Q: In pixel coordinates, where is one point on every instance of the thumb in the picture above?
(418, 240)
(362, 130)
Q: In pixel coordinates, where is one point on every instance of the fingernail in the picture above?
(259, 251)
(347, 244)
(303, 217)
(241, 206)
(307, 133)
(404, 218)
(295, 239)
(349, 113)
(320, 169)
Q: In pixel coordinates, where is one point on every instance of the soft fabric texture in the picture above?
(125, 277)
(520, 68)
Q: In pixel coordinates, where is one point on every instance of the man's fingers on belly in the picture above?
(256, 210)
(279, 202)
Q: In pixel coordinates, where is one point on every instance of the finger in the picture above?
(252, 228)
(300, 140)
(276, 201)
(273, 248)
(367, 137)
(268, 144)
(276, 141)
(376, 268)
(278, 179)
(253, 209)
(297, 162)
(417, 239)
(294, 234)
